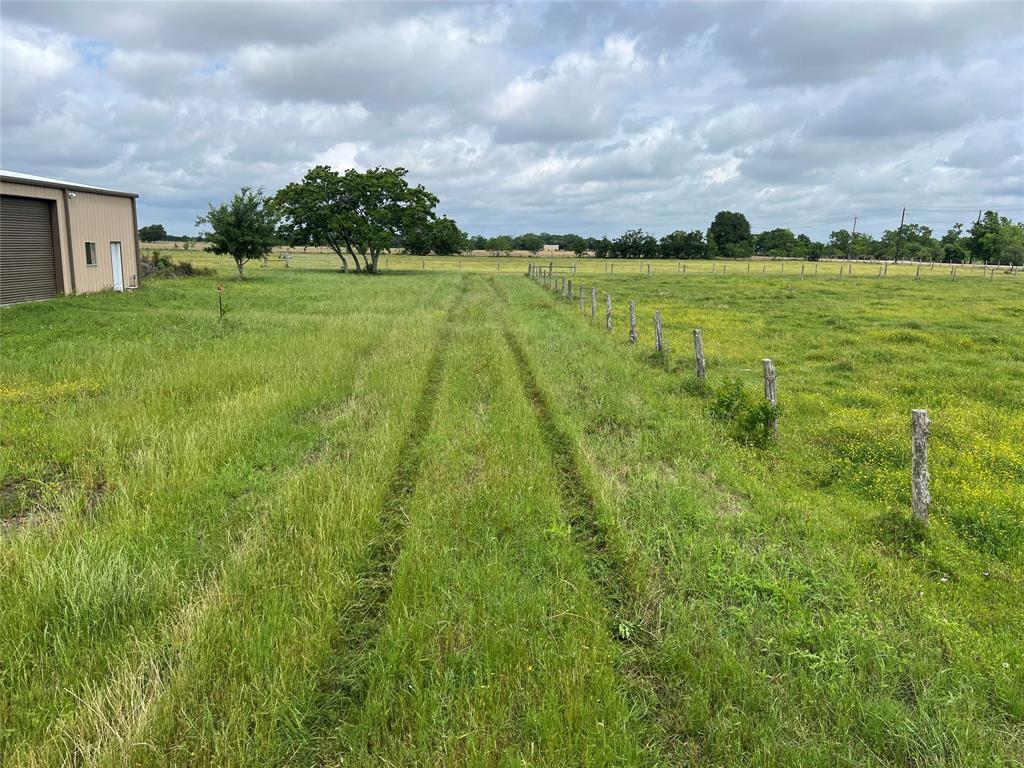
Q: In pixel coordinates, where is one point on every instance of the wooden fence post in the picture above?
(611, 268)
(801, 271)
(648, 270)
(920, 495)
(581, 298)
(593, 303)
(569, 297)
(632, 322)
(917, 275)
(770, 393)
(748, 267)
(684, 270)
(698, 350)
(658, 345)
(764, 270)
(608, 313)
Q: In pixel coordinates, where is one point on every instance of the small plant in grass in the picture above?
(751, 418)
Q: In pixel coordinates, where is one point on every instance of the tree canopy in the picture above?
(153, 233)
(356, 213)
(729, 235)
(245, 228)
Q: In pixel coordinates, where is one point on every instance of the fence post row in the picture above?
(658, 346)
(770, 393)
(920, 495)
(632, 322)
(698, 351)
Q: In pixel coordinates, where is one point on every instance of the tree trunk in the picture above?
(239, 263)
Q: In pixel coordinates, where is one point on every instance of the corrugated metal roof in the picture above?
(45, 181)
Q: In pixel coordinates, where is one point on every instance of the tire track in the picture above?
(633, 623)
(346, 680)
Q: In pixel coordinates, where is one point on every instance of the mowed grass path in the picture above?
(438, 519)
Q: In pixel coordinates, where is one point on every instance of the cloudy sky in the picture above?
(560, 117)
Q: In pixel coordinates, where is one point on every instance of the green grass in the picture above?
(439, 517)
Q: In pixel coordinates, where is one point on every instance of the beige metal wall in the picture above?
(96, 218)
(102, 219)
(57, 195)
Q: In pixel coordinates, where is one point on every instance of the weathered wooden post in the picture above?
(801, 271)
(569, 297)
(679, 267)
(581, 298)
(698, 350)
(885, 269)
(561, 291)
(658, 346)
(574, 270)
(748, 267)
(497, 264)
(920, 495)
(593, 303)
(764, 270)
(423, 263)
(815, 269)
(684, 270)
(648, 270)
(632, 322)
(879, 273)
(917, 275)
(608, 313)
(770, 393)
(611, 268)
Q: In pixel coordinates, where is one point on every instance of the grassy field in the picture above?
(442, 517)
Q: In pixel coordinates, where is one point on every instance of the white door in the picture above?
(115, 265)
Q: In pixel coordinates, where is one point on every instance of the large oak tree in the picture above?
(358, 214)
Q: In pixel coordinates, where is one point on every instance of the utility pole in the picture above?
(899, 237)
(849, 246)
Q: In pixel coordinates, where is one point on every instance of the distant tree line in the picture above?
(992, 238)
(360, 215)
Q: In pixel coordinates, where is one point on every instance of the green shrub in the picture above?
(751, 417)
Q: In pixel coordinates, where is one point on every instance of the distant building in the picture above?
(549, 247)
(58, 237)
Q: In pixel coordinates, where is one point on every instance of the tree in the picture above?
(245, 228)
(446, 238)
(153, 233)
(356, 213)
(683, 245)
(994, 238)
(915, 243)
(635, 244)
(776, 243)
(576, 244)
(952, 248)
(529, 242)
(500, 245)
(730, 235)
(478, 243)
(602, 248)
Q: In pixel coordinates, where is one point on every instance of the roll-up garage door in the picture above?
(27, 265)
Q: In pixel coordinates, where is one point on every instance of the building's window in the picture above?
(90, 254)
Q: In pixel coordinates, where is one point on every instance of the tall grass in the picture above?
(444, 519)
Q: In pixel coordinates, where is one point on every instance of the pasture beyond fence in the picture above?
(920, 478)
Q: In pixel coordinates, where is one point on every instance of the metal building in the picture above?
(59, 237)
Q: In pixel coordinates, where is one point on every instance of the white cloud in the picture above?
(586, 117)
